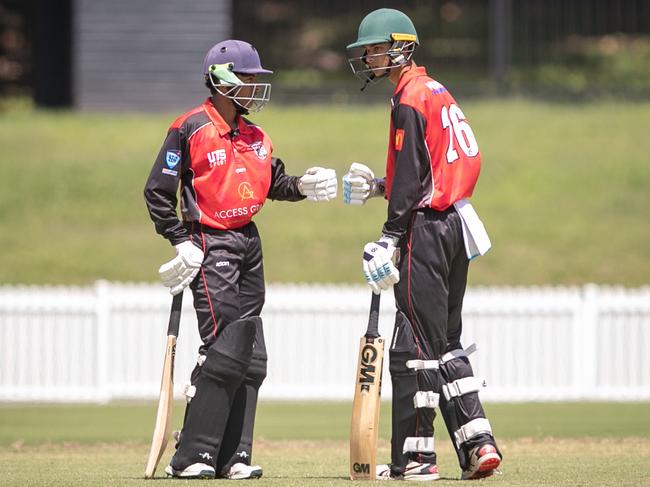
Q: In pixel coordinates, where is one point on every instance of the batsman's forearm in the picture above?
(411, 162)
(161, 187)
(401, 204)
(162, 211)
(283, 187)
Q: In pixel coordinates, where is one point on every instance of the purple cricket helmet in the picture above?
(243, 55)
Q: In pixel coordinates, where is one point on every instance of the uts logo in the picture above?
(172, 158)
(216, 158)
(259, 149)
(245, 191)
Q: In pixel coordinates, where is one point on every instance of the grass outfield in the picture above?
(569, 444)
(563, 192)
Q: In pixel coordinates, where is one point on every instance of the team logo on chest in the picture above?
(216, 158)
(259, 149)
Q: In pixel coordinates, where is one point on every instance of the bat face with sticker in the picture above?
(364, 427)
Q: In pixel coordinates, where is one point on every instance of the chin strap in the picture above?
(368, 81)
(240, 109)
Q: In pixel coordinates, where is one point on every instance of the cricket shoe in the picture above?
(417, 471)
(241, 471)
(194, 471)
(483, 462)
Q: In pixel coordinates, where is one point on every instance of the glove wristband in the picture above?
(377, 188)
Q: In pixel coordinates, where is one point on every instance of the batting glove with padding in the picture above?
(359, 184)
(378, 267)
(179, 272)
(318, 184)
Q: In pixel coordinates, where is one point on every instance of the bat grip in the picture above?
(175, 315)
(373, 319)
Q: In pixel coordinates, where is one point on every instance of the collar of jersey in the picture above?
(222, 127)
(407, 76)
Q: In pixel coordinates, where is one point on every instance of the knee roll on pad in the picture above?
(456, 368)
(460, 385)
(229, 357)
(257, 371)
(403, 355)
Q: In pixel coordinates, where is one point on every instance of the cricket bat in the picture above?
(166, 399)
(367, 399)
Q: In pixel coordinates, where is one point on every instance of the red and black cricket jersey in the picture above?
(433, 158)
(225, 175)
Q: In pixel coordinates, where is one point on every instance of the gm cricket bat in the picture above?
(367, 399)
(164, 415)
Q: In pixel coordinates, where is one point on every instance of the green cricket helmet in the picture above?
(385, 25)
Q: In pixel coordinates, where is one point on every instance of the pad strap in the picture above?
(190, 391)
(470, 430)
(418, 444)
(422, 364)
(426, 399)
(435, 364)
(459, 352)
(463, 386)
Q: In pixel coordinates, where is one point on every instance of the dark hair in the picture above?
(208, 85)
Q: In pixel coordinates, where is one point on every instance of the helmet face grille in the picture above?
(251, 97)
(399, 54)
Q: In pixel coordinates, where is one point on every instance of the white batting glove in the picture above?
(359, 184)
(318, 184)
(378, 267)
(179, 272)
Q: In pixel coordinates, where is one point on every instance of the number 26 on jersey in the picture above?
(460, 133)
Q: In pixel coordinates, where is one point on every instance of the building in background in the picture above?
(146, 54)
(15, 47)
(110, 55)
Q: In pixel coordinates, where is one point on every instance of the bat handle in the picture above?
(175, 315)
(373, 319)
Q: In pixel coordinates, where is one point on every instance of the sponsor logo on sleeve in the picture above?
(172, 158)
(435, 87)
(399, 139)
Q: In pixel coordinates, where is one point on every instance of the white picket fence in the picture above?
(106, 341)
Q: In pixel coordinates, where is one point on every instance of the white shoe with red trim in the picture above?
(483, 462)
